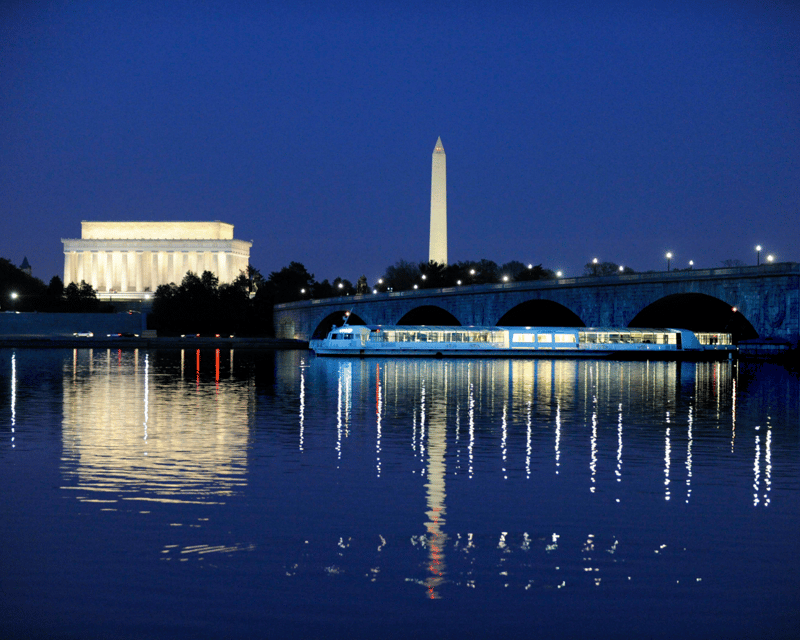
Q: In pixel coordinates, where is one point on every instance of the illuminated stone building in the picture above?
(438, 241)
(132, 258)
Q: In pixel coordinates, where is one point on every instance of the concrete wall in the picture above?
(65, 324)
(768, 296)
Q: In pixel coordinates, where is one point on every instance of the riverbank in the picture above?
(142, 342)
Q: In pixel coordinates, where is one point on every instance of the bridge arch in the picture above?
(697, 312)
(335, 318)
(540, 312)
(431, 315)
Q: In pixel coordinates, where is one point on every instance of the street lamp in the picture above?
(559, 274)
(669, 257)
(691, 263)
(505, 278)
(621, 268)
(770, 258)
(758, 254)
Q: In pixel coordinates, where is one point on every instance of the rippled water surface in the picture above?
(151, 494)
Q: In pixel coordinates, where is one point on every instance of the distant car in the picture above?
(129, 335)
(83, 334)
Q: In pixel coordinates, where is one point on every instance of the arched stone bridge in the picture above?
(766, 299)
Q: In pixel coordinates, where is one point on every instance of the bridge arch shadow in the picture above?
(430, 315)
(696, 312)
(540, 313)
(335, 318)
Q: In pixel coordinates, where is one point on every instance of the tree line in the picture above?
(20, 291)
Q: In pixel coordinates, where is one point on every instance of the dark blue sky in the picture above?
(618, 130)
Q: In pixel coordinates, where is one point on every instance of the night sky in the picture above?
(616, 130)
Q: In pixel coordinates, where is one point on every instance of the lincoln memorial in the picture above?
(132, 258)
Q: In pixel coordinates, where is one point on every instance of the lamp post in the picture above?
(669, 257)
(770, 258)
(14, 296)
(758, 254)
(691, 264)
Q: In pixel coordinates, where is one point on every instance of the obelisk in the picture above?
(438, 245)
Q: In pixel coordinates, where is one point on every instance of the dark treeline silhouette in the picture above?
(404, 275)
(200, 305)
(20, 291)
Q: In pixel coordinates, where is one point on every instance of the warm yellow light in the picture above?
(770, 258)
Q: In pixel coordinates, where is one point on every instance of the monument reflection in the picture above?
(134, 432)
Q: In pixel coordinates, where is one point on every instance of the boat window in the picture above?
(564, 337)
(544, 337)
(523, 337)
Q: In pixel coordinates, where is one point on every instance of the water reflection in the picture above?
(488, 467)
(139, 435)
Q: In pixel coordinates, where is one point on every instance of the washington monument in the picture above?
(438, 245)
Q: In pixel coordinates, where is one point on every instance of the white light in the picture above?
(559, 274)
(669, 255)
(458, 281)
(14, 295)
(416, 286)
(424, 277)
(302, 290)
(380, 280)
(770, 258)
(530, 266)
(374, 291)
(341, 286)
(621, 268)
(505, 278)
(594, 261)
(472, 272)
(758, 247)
(691, 263)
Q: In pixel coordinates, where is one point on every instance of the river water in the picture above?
(222, 494)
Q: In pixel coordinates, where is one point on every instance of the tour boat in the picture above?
(549, 342)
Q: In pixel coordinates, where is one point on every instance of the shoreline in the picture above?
(140, 342)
